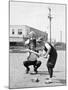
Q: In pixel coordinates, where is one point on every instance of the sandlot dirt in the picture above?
(19, 79)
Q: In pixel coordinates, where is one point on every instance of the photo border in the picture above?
(65, 40)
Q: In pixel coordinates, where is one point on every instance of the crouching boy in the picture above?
(32, 58)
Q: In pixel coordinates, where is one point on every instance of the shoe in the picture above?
(27, 71)
(49, 81)
(35, 70)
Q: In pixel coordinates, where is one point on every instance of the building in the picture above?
(19, 32)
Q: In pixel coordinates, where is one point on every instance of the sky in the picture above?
(36, 15)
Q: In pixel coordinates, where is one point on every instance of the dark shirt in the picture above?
(52, 53)
(52, 50)
(33, 43)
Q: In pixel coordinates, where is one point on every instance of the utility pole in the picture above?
(60, 36)
(50, 18)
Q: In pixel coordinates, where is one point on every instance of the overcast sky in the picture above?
(36, 15)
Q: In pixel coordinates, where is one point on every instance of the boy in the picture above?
(32, 58)
(51, 51)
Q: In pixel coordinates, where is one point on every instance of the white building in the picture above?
(17, 32)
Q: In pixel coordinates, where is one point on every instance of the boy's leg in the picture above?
(51, 63)
(50, 69)
(26, 64)
(50, 66)
(37, 65)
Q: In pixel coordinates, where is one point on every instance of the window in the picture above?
(12, 31)
(20, 31)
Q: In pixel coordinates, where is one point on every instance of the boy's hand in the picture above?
(39, 54)
(45, 56)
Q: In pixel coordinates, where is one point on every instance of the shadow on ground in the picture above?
(44, 72)
(62, 81)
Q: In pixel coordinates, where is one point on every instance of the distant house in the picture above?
(19, 32)
(60, 46)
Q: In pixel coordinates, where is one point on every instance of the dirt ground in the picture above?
(19, 79)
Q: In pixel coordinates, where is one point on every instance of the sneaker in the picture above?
(27, 71)
(49, 81)
(35, 70)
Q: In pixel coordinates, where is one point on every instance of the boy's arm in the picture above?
(48, 50)
(47, 53)
(34, 52)
(28, 50)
